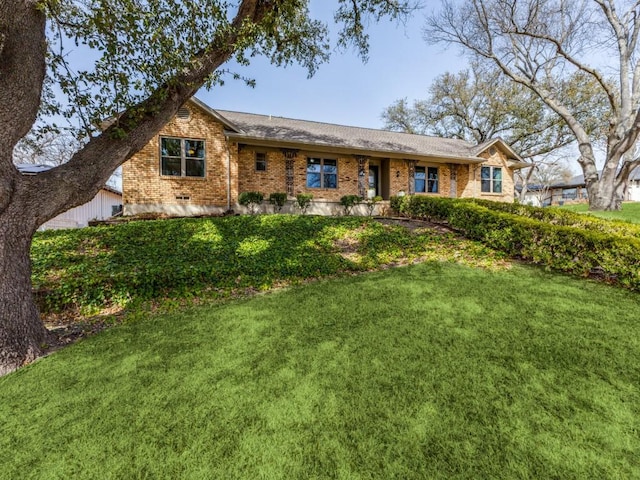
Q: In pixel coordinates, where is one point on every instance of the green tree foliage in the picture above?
(547, 46)
(251, 200)
(559, 239)
(134, 62)
(278, 200)
(303, 201)
(348, 202)
(481, 103)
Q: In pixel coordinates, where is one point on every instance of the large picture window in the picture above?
(426, 180)
(491, 180)
(322, 173)
(181, 157)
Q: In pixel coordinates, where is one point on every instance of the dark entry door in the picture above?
(374, 176)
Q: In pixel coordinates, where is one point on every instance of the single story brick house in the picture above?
(204, 158)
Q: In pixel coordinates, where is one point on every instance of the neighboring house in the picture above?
(633, 188)
(203, 159)
(572, 191)
(575, 191)
(105, 204)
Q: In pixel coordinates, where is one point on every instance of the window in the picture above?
(322, 173)
(426, 180)
(261, 162)
(180, 157)
(491, 180)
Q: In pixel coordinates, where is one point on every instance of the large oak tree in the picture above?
(480, 103)
(541, 44)
(134, 60)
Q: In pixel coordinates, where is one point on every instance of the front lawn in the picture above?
(630, 212)
(436, 370)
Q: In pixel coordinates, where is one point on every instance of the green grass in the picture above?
(630, 212)
(436, 370)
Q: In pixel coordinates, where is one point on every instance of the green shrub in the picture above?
(580, 248)
(251, 200)
(371, 203)
(303, 200)
(278, 200)
(560, 216)
(397, 204)
(348, 202)
(88, 269)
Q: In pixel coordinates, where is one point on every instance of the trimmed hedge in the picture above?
(573, 248)
(560, 216)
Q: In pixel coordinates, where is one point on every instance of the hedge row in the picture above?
(569, 248)
(560, 216)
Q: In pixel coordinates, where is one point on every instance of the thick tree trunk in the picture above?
(26, 202)
(22, 334)
(605, 196)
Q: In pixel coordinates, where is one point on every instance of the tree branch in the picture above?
(93, 164)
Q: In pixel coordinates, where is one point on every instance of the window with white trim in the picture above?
(322, 173)
(181, 157)
(491, 179)
(426, 180)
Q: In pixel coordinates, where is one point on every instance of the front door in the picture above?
(373, 181)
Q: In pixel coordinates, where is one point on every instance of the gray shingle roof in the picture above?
(304, 132)
(578, 180)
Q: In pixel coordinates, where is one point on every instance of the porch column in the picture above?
(362, 176)
(289, 156)
(412, 176)
(453, 185)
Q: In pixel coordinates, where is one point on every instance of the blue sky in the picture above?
(345, 90)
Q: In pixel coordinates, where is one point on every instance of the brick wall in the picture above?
(143, 185)
(463, 181)
(146, 190)
(472, 186)
(271, 180)
(274, 178)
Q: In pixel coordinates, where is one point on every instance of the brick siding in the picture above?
(144, 186)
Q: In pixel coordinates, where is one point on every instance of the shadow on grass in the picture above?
(153, 259)
(431, 371)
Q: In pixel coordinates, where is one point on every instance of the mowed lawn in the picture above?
(435, 370)
(630, 212)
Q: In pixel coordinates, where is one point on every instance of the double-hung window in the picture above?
(261, 162)
(322, 173)
(181, 157)
(491, 180)
(426, 180)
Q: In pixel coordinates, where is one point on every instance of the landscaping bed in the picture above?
(88, 279)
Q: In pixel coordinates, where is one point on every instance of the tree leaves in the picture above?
(480, 103)
(107, 55)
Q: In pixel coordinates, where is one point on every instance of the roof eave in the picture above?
(518, 165)
(506, 146)
(227, 123)
(319, 147)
